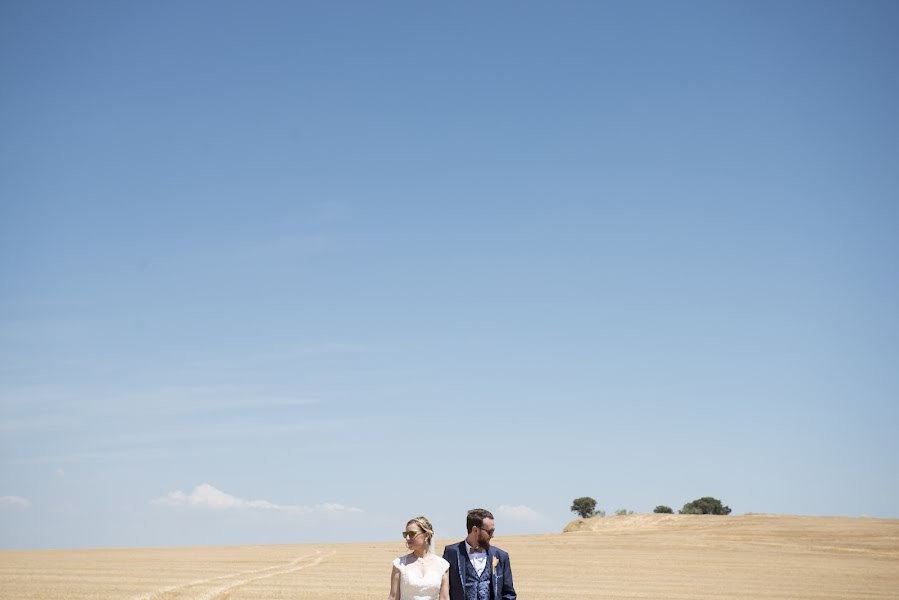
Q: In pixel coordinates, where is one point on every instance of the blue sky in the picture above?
(296, 272)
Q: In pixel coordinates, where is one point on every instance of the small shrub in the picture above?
(623, 511)
(662, 509)
(705, 506)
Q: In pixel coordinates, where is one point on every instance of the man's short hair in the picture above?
(476, 518)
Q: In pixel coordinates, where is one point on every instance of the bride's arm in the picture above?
(444, 586)
(395, 585)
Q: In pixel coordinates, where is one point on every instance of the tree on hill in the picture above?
(661, 508)
(705, 506)
(585, 507)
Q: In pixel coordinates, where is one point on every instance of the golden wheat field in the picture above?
(624, 557)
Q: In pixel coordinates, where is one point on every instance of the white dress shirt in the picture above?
(478, 559)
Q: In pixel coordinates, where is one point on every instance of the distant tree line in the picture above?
(585, 507)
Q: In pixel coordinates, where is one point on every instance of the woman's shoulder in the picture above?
(400, 561)
(444, 564)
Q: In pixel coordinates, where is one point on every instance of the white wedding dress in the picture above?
(415, 585)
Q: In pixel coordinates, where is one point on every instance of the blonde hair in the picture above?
(425, 526)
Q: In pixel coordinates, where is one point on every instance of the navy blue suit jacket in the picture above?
(501, 587)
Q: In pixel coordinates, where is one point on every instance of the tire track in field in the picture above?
(223, 593)
(179, 589)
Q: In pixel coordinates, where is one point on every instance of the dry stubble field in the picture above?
(633, 557)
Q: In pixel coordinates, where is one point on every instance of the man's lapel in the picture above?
(491, 553)
(462, 555)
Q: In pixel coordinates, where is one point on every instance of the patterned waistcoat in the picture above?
(477, 587)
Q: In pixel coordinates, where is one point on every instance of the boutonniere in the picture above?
(495, 562)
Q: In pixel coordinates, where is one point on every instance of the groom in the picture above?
(479, 571)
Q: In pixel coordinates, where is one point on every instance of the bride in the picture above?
(421, 574)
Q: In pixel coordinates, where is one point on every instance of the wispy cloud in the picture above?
(50, 422)
(40, 410)
(287, 354)
(66, 508)
(14, 502)
(230, 430)
(322, 349)
(334, 507)
(33, 396)
(117, 455)
(205, 399)
(518, 513)
(155, 442)
(331, 212)
(277, 252)
(141, 425)
(205, 496)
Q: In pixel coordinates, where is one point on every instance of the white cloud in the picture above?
(176, 498)
(14, 502)
(518, 513)
(332, 507)
(206, 496)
